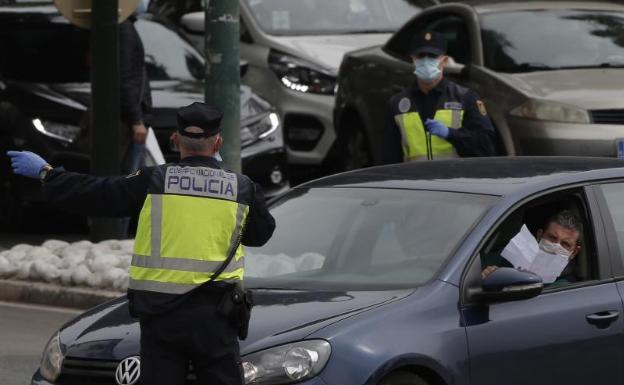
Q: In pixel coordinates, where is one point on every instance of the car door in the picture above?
(566, 335)
(611, 200)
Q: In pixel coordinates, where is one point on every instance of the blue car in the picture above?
(375, 277)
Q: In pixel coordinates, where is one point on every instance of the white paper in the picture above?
(523, 252)
(153, 149)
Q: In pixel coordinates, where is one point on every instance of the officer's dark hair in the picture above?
(567, 219)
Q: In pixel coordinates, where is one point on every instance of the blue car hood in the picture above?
(108, 332)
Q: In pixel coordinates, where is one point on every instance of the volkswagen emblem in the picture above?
(128, 371)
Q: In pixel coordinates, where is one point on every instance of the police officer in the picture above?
(188, 261)
(435, 118)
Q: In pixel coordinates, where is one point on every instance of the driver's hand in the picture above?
(487, 271)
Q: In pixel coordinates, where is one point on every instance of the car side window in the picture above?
(453, 28)
(614, 196)
(566, 208)
(456, 34)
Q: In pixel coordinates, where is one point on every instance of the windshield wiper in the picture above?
(533, 66)
(599, 65)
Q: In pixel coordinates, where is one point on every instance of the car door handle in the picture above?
(602, 319)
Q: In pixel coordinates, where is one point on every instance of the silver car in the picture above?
(551, 73)
(294, 49)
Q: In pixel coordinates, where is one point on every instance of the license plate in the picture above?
(619, 143)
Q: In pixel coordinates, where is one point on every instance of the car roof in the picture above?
(491, 176)
(485, 6)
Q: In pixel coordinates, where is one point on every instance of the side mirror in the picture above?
(454, 68)
(193, 23)
(244, 66)
(508, 284)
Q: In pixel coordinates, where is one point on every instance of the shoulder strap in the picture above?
(231, 255)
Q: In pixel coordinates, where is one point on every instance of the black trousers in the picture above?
(192, 332)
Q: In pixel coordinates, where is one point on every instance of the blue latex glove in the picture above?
(26, 163)
(437, 128)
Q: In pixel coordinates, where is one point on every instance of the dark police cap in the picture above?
(428, 42)
(201, 115)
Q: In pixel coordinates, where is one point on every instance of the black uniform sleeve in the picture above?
(476, 137)
(130, 73)
(260, 222)
(391, 149)
(116, 196)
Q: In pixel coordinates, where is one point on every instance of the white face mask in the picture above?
(427, 68)
(553, 248)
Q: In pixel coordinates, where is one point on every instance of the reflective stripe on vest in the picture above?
(182, 240)
(413, 135)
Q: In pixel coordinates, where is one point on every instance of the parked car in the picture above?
(45, 92)
(550, 74)
(294, 49)
(374, 277)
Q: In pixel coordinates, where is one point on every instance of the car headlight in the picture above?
(300, 75)
(287, 363)
(64, 132)
(52, 359)
(555, 112)
(259, 129)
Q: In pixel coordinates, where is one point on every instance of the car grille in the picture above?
(78, 371)
(607, 116)
(87, 372)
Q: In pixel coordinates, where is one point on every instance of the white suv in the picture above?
(294, 50)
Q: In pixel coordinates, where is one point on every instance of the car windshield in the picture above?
(167, 55)
(54, 51)
(552, 39)
(326, 17)
(361, 238)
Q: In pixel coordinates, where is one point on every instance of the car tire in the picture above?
(357, 152)
(402, 378)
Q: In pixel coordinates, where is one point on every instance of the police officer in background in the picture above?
(187, 265)
(435, 118)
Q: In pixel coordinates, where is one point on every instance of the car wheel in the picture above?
(403, 378)
(356, 151)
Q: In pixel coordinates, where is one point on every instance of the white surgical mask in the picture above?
(553, 248)
(427, 68)
(218, 157)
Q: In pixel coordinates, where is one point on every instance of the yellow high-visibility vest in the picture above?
(414, 134)
(191, 220)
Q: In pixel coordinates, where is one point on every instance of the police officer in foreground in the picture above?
(435, 118)
(187, 265)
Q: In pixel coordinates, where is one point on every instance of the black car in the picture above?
(549, 72)
(373, 277)
(45, 93)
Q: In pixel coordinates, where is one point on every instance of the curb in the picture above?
(53, 295)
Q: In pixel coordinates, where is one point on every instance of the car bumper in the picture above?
(38, 380)
(533, 137)
(307, 119)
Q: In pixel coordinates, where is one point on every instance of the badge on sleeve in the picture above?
(481, 107)
(404, 105)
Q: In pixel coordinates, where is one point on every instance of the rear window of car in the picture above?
(361, 238)
(524, 41)
(325, 17)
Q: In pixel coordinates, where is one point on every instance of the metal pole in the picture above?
(223, 73)
(104, 103)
